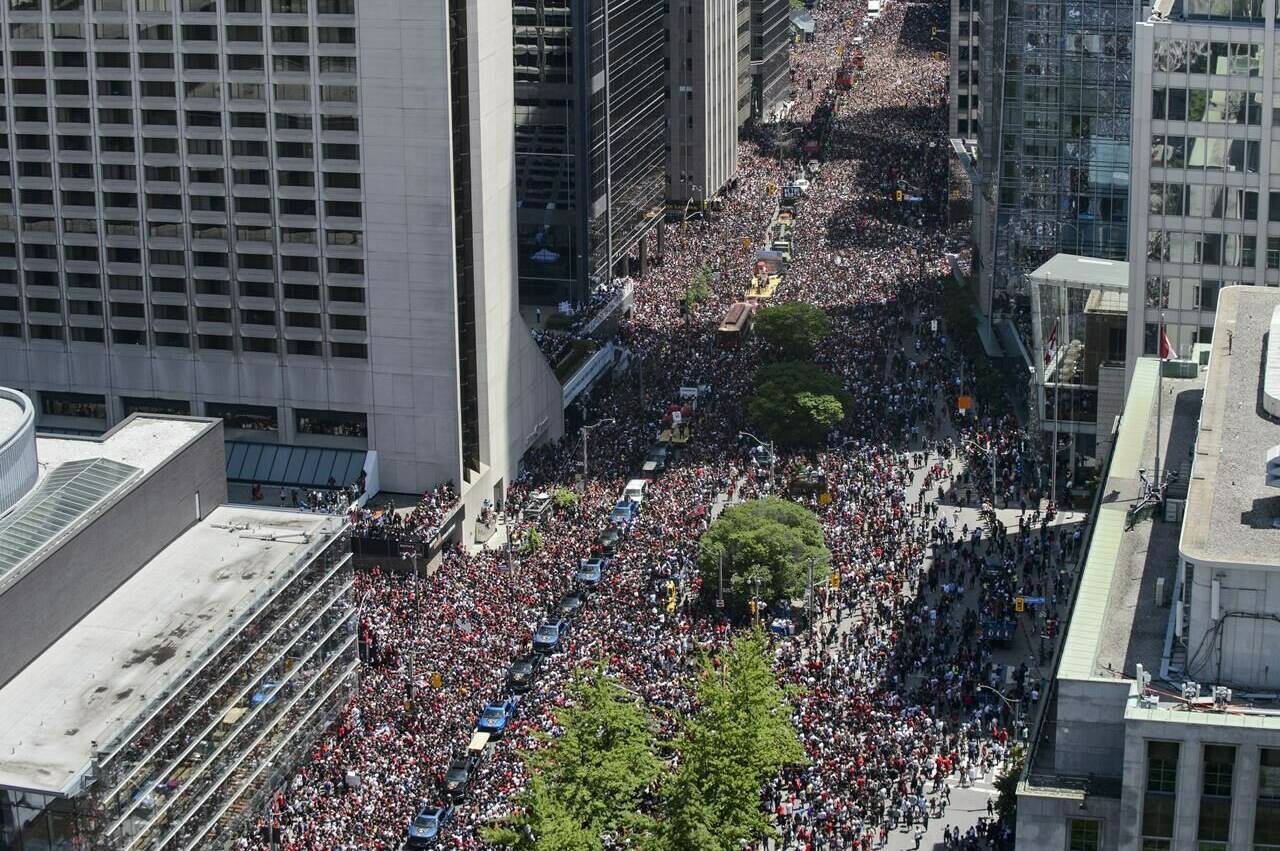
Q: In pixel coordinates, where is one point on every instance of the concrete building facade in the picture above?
(295, 216)
(167, 659)
(702, 98)
(964, 112)
(1162, 726)
(1203, 164)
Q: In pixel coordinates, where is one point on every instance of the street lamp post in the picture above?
(585, 431)
(1014, 706)
(773, 455)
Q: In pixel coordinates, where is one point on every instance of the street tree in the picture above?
(795, 328)
(586, 782)
(797, 403)
(767, 541)
(740, 737)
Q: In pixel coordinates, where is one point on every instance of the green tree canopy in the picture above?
(587, 781)
(768, 539)
(794, 327)
(797, 403)
(741, 736)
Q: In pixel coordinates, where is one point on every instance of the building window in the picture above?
(1215, 797)
(1083, 835)
(331, 423)
(244, 417)
(1266, 821)
(173, 407)
(86, 405)
(1159, 800)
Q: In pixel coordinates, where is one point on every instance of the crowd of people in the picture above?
(568, 324)
(419, 525)
(903, 701)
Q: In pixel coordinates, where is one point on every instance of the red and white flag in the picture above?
(1167, 351)
(1051, 344)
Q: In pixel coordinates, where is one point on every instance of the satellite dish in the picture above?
(1160, 9)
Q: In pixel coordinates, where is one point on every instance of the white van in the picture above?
(873, 9)
(635, 491)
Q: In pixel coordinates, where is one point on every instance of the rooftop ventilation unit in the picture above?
(1273, 467)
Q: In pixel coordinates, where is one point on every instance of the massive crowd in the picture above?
(903, 701)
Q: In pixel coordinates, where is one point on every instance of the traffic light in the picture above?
(436, 679)
(835, 580)
(1019, 604)
(897, 196)
(752, 606)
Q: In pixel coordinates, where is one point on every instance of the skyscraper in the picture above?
(702, 98)
(590, 140)
(1206, 196)
(770, 55)
(1054, 138)
(296, 215)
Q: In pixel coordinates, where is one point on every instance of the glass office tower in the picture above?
(1057, 78)
(590, 140)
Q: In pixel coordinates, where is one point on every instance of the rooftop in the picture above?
(79, 478)
(1115, 623)
(1230, 507)
(139, 642)
(1085, 271)
(144, 441)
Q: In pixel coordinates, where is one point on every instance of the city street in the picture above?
(900, 698)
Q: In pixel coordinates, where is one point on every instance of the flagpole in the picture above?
(1160, 350)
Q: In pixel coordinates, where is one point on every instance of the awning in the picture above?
(292, 466)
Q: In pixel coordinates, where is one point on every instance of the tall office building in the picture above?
(1204, 213)
(295, 215)
(702, 98)
(770, 67)
(744, 62)
(963, 113)
(1159, 729)
(590, 140)
(1055, 80)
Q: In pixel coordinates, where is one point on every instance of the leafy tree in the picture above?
(1007, 787)
(699, 288)
(794, 327)
(797, 403)
(587, 781)
(532, 541)
(770, 540)
(741, 736)
(563, 497)
(542, 823)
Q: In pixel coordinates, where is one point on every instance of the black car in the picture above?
(457, 780)
(608, 539)
(656, 460)
(523, 671)
(569, 605)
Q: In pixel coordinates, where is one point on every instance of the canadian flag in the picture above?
(1051, 344)
(1167, 351)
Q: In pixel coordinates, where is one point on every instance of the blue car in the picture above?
(546, 638)
(598, 563)
(493, 720)
(426, 825)
(624, 511)
(588, 573)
